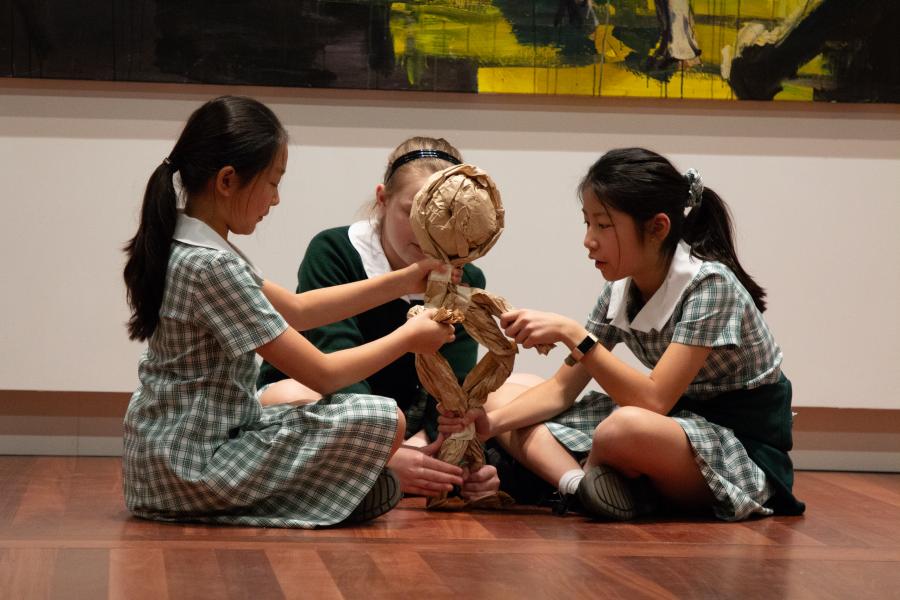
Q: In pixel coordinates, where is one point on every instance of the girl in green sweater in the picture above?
(380, 244)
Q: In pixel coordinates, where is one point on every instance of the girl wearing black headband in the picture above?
(381, 243)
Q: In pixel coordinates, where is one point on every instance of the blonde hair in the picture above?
(426, 165)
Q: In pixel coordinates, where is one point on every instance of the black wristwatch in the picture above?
(581, 349)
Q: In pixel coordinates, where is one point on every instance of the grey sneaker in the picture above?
(604, 493)
(383, 496)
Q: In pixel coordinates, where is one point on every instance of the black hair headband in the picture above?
(417, 154)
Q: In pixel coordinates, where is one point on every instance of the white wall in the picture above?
(815, 192)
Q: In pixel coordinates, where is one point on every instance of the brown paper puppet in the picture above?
(457, 217)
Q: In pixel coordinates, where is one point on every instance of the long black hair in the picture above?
(642, 184)
(226, 131)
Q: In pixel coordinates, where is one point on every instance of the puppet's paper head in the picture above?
(457, 216)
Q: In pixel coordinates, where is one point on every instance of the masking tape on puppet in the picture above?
(466, 434)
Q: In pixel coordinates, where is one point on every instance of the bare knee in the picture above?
(620, 435)
(288, 391)
(527, 380)
(515, 385)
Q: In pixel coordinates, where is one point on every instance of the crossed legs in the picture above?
(633, 441)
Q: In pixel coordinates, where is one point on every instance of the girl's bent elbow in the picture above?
(323, 384)
(650, 403)
(661, 406)
(653, 403)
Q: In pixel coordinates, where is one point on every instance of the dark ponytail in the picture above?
(227, 131)
(642, 184)
(709, 231)
(148, 253)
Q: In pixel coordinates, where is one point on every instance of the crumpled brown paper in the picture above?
(457, 217)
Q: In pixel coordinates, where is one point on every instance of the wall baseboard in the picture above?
(90, 424)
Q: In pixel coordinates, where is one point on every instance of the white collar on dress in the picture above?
(657, 311)
(364, 237)
(197, 233)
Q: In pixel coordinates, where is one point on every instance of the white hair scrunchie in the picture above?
(695, 188)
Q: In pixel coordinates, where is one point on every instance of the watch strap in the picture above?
(581, 349)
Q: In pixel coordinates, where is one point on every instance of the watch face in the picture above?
(586, 344)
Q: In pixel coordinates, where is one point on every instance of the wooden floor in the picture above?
(64, 533)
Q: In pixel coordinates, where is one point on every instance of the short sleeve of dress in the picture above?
(606, 334)
(230, 303)
(711, 314)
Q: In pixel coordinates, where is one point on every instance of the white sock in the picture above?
(569, 481)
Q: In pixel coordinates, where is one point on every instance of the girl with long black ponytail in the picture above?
(709, 427)
(148, 253)
(198, 444)
(708, 230)
(227, 131)
(641, 184)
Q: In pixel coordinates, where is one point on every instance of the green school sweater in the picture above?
(332, 260)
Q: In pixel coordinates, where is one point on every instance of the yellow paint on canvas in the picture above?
(794, 92)
(476, 31)
(613, 79)
(711, 39)
(814, 67)
(608, 46)
(750, 9)
(743, 9)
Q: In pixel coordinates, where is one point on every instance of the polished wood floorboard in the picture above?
(64, 533)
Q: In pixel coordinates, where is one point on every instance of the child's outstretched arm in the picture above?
(657, 391)
(322, 306)
(295, 356)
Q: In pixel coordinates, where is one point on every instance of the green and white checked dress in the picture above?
(198, 444)
(699, 304)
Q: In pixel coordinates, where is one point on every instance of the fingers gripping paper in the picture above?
(457, 217)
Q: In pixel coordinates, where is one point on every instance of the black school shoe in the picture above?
(606, 494)
(383, 496)
(563, 504)
(527, 488)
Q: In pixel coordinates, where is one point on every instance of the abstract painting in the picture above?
(808, 50)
